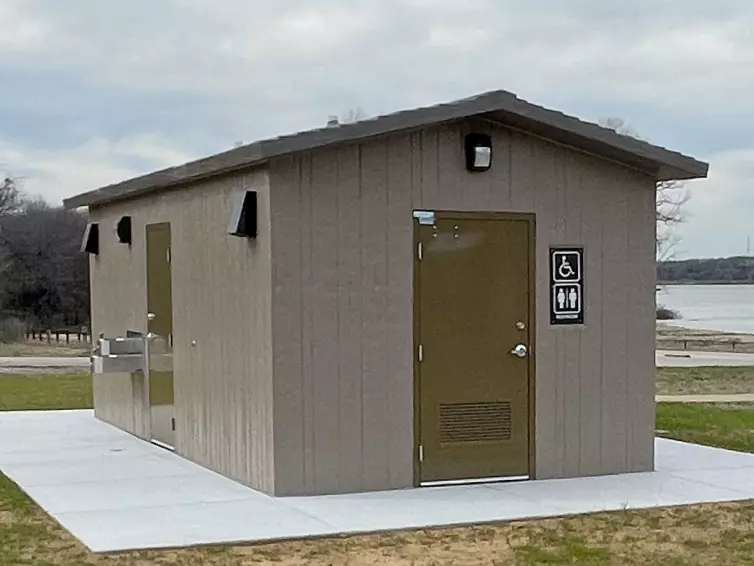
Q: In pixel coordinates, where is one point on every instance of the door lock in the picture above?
(520, 351)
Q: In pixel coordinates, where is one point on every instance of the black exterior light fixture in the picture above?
(478, 152)
(123, 230)
(243, 217)
(90, 240)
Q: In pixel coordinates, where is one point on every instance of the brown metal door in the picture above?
(473, 310)
(160, 334)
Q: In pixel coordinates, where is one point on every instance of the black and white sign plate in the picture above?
(566, 286)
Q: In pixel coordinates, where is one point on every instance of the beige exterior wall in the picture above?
(221, 300)
(310, 326)
(342, 285)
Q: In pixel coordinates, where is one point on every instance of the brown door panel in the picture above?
(160, 326)
(473, 289)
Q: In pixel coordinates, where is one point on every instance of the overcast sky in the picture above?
(94, 92)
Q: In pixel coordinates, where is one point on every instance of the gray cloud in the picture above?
(197, 75)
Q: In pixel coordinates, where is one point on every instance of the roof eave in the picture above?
(699, 170)
(158, 181)
(502, 106)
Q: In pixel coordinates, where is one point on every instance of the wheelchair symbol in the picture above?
(565, 270)
(566, 266)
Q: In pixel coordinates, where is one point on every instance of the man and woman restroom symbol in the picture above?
(568, 301)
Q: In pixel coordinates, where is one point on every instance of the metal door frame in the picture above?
(531, 220)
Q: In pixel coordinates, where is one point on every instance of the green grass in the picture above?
(725, 426)
(45, 392)
(705, 380)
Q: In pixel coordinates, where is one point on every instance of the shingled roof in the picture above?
(498, 106)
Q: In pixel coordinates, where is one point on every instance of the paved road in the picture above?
(730, 398)
(36, 365)
(666, 358)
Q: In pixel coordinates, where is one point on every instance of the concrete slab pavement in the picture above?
(116, 492)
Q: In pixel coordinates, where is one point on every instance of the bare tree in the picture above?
(43, 277)
(10, 197)
(671, 196)
(10, 202)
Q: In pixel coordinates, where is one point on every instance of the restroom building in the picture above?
(462, 292)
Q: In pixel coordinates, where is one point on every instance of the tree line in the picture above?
(738, 269)
(44, 278)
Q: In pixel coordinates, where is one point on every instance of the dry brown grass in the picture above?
(673, 338)
(43, 349)
(704, 380)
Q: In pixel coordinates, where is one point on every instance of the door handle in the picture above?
(520, 351)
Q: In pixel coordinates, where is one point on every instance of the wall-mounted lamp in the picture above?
(243, 217)
(478, 152)
(123, 230)
(90, 241)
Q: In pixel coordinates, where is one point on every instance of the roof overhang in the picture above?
(501, 107)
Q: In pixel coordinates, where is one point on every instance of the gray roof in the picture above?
(499, 106)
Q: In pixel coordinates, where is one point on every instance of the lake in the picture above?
(729, 308)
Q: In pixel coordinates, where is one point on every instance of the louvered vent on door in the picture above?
(475, 422)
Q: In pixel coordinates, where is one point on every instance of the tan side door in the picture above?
(160, 334)
(474, 304)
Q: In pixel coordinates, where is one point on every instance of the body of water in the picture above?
(729, 308)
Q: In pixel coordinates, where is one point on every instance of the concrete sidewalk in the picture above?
(669, 358)
(730, 398)
(115, 492)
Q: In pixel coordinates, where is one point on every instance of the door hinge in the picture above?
(420, 251)
(421, 353)
(421, 453)
(172, 424)
(167, 255)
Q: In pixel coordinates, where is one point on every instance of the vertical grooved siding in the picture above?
(222, 300)
(309, 327)
(342, 305)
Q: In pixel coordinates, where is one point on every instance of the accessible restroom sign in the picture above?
(566, 286)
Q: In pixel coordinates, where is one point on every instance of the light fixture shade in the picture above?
(478, 152)
(90, 240)
(123, 230)
(243, 217)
